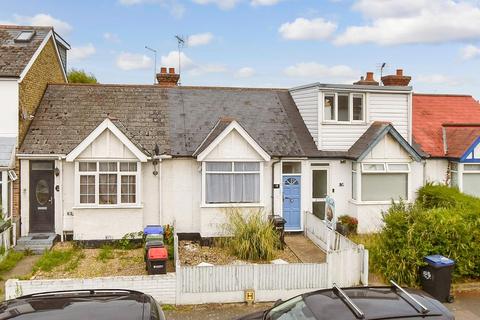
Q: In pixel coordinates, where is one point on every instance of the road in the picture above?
(465, 307)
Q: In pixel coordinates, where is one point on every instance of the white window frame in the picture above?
(461, 172)
(231, 204)
(350, 107)
(6, 185)
(363, 171)
(119, 174)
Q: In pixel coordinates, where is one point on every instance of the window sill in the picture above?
(367, 203)
(116, 206)
(344, 123)
(232, 205)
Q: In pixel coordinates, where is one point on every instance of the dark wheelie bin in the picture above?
(157, 260)
(436, 277)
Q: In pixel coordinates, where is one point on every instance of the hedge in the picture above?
(442, 221)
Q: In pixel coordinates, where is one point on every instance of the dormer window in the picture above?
(344, 107)
(25, 36)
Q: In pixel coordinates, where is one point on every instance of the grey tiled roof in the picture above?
(7, 147)
(14, 56)
(177, 119)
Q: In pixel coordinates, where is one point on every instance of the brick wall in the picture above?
(46, 69)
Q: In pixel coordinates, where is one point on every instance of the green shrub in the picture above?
(441, 196)
(253, 236)
(106, 253)
(414, 231)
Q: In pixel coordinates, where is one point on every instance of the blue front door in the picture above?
(291, 202)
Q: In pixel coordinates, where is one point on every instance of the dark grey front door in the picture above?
(42, 202)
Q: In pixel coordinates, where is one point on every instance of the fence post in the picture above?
(330, 270)
(365, 266)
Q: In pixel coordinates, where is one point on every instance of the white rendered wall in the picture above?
(436, 170)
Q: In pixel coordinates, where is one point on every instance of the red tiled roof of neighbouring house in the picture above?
(432, 111)
(459, 138)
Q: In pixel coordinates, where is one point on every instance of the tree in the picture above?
(80, 76)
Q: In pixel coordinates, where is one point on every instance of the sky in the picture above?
(267, 43)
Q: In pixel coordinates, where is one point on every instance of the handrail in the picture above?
(424, 309)
(359, 313)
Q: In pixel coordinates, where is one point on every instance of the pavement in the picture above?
(466, 306)
(22, 268)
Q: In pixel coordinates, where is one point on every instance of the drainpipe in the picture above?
(273, 179)
(159, 184)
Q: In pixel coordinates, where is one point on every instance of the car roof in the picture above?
(373, 303)
(78, 304)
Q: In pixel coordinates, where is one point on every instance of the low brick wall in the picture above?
(161, 287)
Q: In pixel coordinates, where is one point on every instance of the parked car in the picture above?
(83, 304)
(357, 303)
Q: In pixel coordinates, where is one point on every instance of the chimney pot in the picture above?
(397, 79)
(367, 81)
(169, 79)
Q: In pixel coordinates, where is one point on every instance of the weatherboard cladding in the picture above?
(16, 55)
(177, 119)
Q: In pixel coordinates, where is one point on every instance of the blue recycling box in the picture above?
(436, 277)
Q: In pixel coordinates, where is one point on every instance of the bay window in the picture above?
(232, 182)
(344, 107)
(471, 179)
(380, 181)
(108, 183)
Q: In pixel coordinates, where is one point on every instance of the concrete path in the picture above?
(23, 268)
(305, 249)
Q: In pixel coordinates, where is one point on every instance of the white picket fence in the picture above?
(6, 237)
(346, 265)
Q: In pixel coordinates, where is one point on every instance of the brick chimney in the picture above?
(169, 79)
(368, 81)
(397, 79)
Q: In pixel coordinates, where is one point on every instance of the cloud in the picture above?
(42, 19)
(176, 9)
(245, 72)
(437, 79)
(111, 37)
(264, 2)
(82, 52)
(316, 70)
(199, 39)
(306, 29)
(133, 61)
(470, 52)
(171, 60)
(222, 4)
(412, 22)
(188, 65)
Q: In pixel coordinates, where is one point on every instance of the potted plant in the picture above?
(347, 225)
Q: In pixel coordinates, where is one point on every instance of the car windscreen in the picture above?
(293, 309)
